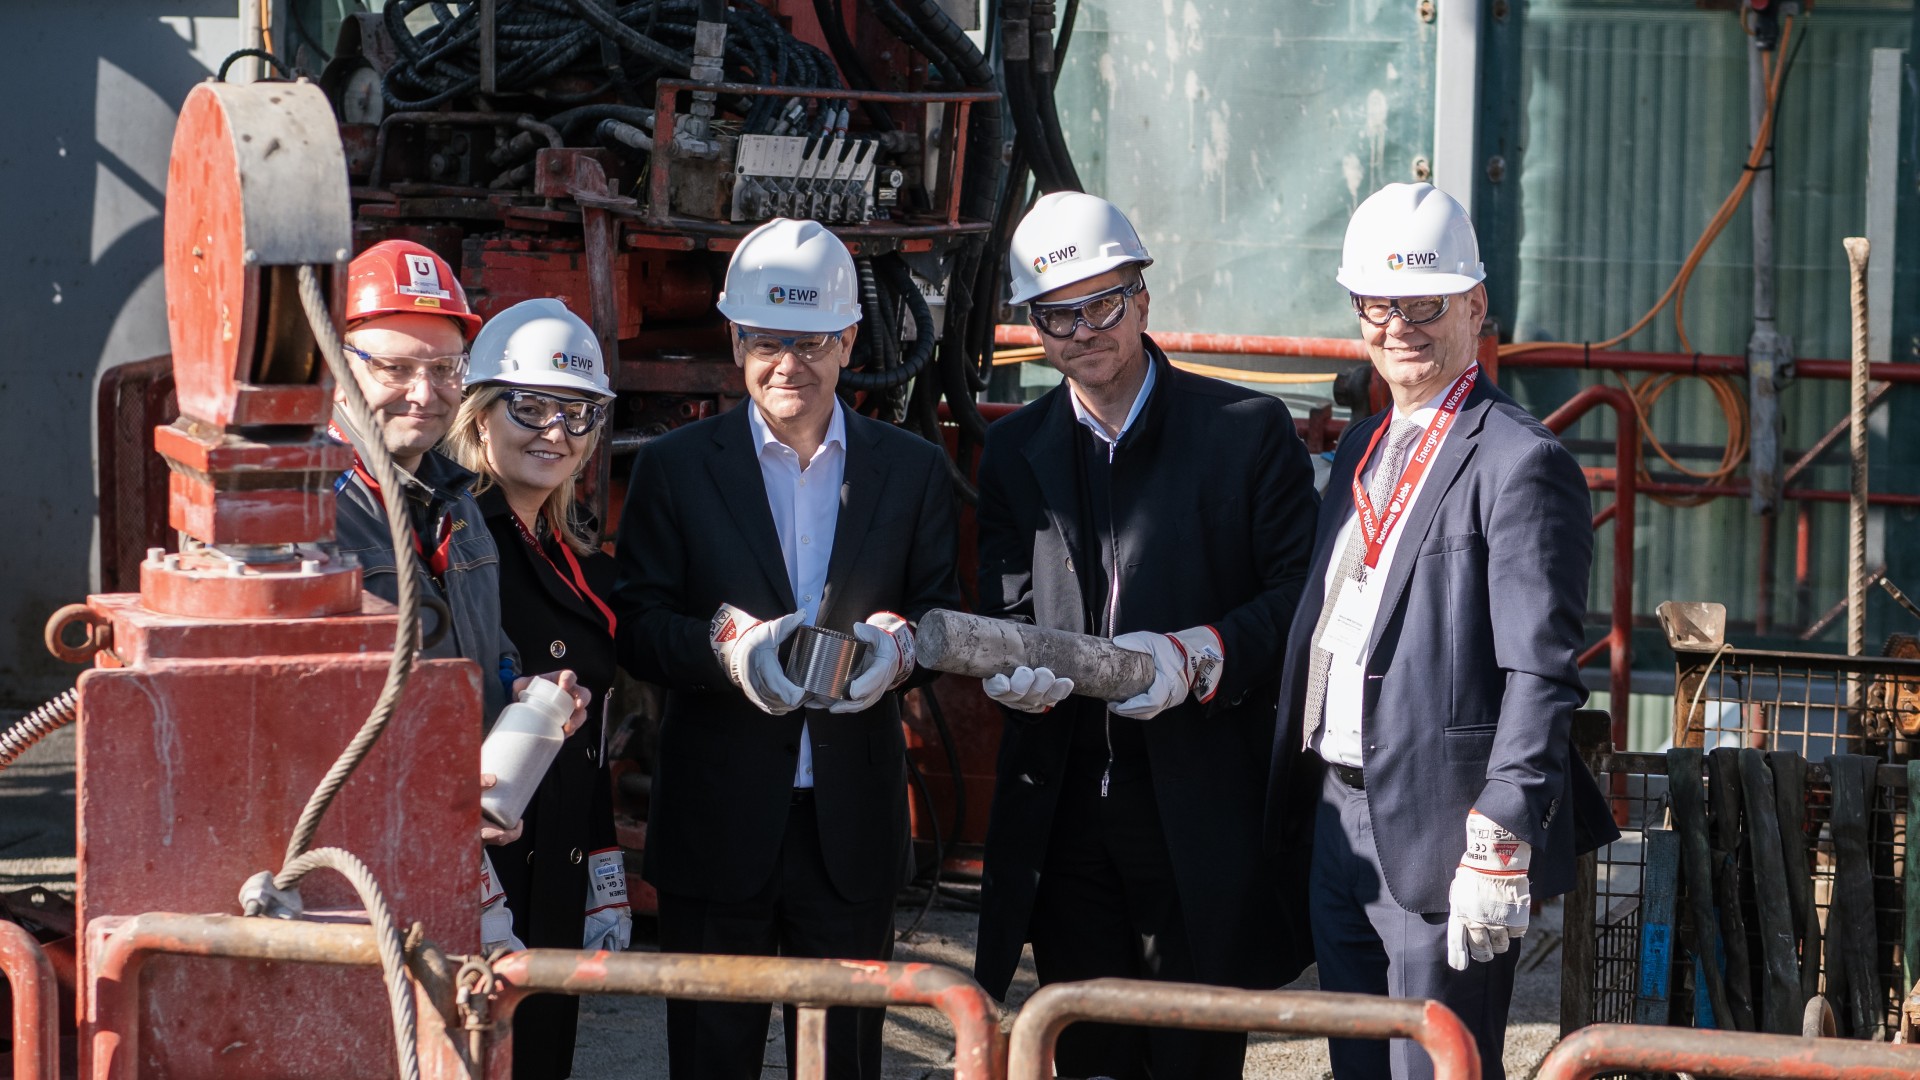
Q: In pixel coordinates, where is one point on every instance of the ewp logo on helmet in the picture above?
(1039, 264)
(1413, 260)
(793, 294)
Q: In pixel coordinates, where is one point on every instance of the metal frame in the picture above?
(36, 1004)
(1212, 1008)
(1621, 1048)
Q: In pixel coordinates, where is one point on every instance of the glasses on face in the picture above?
(1380, 310)
(770, 347)
(396, 373)
(538, 412)
(1101, 311)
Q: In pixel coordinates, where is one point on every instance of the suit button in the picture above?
(529, 856)
(575, 856)
(558, 649)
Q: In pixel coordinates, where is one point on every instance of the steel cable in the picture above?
(37, 725)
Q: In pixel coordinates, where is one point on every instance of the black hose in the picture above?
(632, 40)
(939, 845)
(902, 290)
(279, 65)
(833, 25)
(1043, 75)
(1067, 19)
(939, 718)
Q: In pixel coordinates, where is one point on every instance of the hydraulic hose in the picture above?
(902, 289)
(833, 25)
(630, 39)
(1042, 75)
(37, 725)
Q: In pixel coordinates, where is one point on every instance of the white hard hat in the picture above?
(1410, 240)
(539, 343)
(1070, 236)
(792, 275)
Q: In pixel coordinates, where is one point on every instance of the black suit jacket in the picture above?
(1213, 509)
(697, 532)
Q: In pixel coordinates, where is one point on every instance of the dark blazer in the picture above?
(1471, 683)
(1213, 511)
(697, 532)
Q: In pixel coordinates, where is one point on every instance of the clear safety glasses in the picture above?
(1380, 310)
(538, 412)
(400, 373)
(770, 347)
(1101, 311)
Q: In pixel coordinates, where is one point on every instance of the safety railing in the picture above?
(36, 1004)
(473, 1008)
(1606, 1049)
(1211, 1008)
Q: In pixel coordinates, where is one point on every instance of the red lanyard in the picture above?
(441, 556)
(1378, 527)
(578, 586)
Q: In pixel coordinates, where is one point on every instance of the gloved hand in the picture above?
(1188, 662)
(609, 923)
(889, 660)
(1030, 690)
(496, 922)
(749, 652)
(1489, 902)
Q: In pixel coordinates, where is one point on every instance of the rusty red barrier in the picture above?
(812, 985)
(1614, 1048)
(36, 1004)
(1213, 1008)
(1009, 335)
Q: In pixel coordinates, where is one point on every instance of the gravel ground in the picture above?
(626, 1037)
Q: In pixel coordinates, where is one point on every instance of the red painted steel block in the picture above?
(193, 767)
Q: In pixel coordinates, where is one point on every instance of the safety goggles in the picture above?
(538, 412)
(400, 373)
(1380, 310)
(770, 347)
(1101, 311)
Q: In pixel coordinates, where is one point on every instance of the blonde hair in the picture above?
(464, 446)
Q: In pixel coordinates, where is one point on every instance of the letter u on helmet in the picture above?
(539, 343)
(792, 275)
(1410, 240)
(1070, 236)
(400, 277)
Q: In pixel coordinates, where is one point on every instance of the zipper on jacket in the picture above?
(1113, 605)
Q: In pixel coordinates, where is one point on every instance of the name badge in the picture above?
(1345, 635)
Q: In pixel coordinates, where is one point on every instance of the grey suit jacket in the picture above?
(1471, 681)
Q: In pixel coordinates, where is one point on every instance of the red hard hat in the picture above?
(400, 277)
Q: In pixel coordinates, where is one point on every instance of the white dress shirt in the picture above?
(1339, 737)
(805, 500)
(1099, 430)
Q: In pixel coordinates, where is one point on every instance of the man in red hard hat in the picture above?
(408, 325)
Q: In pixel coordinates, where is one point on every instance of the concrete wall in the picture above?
(92, 89)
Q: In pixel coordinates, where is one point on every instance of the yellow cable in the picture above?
(1007, 357)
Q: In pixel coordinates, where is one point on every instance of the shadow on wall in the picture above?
(93, 89)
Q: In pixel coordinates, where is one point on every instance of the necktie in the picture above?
(1399, 437)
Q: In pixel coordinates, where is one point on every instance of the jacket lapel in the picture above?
(1050, 455)
(1452, 457)
(864, 476)
(735, 465)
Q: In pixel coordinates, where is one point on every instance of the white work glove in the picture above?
(889, 660)
(749, 652)
(496, 922)
(609, 923)
(1030, 690)
(1488, 904)
(1188, 662)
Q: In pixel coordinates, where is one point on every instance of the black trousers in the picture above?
(1106, 908)
(797, 913)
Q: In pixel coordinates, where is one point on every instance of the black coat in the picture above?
(1213, 510)
(697, 532)
(544, 873)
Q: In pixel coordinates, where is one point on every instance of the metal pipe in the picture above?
(1626, 484)
(1213, 1008)
(1603, 479)
(979, 1047)
(36, 1004)
(1769, 354)
(1013, 336)
(1857, 443)
(1615, 1048)
(810, 1044)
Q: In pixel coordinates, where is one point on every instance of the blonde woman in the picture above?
(537, 395)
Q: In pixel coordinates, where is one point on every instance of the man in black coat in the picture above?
(779, 827)
(1174, 514)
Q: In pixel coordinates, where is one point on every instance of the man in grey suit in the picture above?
(1431, 664)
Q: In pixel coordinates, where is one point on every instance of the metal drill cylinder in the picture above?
(822, 661)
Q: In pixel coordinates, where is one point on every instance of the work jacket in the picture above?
(470, 585)
(1211, 509)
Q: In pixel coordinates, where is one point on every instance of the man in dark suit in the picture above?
(1174, 514)
(778, 827)
(1431, 664)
